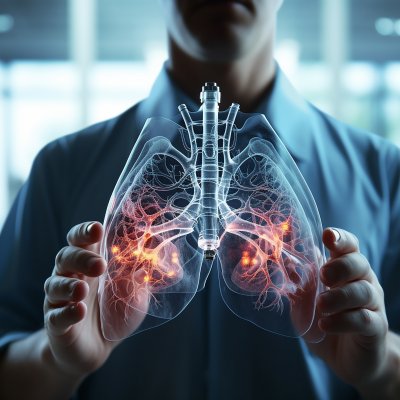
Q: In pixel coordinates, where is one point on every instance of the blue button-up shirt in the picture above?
(206, 352)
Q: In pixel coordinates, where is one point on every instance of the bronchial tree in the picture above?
(211, 186)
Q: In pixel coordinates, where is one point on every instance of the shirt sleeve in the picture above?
(29, 241)
(390, 278)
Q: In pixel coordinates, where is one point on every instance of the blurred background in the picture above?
(65, 64)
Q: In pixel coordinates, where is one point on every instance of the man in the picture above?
(206, 352)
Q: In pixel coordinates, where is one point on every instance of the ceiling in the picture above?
(126, 28)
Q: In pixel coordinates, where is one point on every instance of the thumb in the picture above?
(339, 242)
(86, 235)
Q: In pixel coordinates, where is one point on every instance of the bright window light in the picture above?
(397, 27)
(6, 23)
(3, 155)
(360, 78)
(287, 54)
(392, 77)
(385, 26)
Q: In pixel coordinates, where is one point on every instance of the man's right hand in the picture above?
(71, 310)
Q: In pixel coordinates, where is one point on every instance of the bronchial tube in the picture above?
(208, 238)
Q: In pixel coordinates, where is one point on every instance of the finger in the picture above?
(85, 234)
(339, 242)
(358, 294)
(74, 260)
(61, 290)
(362, 321)
(59, 320)
(346, 268)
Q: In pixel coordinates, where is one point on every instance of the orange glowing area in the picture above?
(285, 226)
(245, 258)
(174, 258)
(145, 255)
(152, 257)
(114, 249)
(143, 259)
(254, 261)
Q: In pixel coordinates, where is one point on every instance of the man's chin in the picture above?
(218, 54)
(226, 46)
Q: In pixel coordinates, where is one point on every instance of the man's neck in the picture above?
(244, 81)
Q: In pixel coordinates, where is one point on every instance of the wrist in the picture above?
(385, 383)
(30, 361)
(64, 376)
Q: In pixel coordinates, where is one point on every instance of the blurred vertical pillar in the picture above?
(5, 144)
(335, 40)
(83, 44)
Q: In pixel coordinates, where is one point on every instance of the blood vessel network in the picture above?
(211, 186)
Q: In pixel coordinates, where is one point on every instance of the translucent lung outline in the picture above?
(269, 257)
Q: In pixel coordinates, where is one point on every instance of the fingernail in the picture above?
(336, 233)
(89, 228)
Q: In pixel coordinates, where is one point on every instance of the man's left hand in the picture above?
(352, 314)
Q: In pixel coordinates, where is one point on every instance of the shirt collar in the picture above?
(164, 98)
(288, 113)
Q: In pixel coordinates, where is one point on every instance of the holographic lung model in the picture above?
(211, 183)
